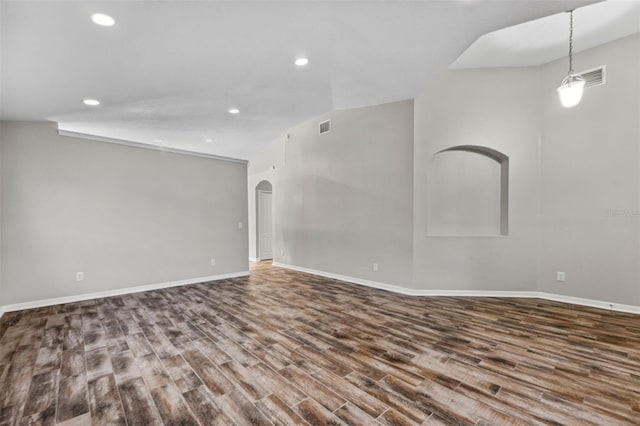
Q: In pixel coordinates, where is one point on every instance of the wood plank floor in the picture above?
(284, 347)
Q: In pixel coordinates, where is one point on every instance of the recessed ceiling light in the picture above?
(234, 111)
(102, 19)
(91, 102)
(301, 62)
(208, 140)
(157, 140)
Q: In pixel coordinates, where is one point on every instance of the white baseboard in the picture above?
(410, 291)
(611, 306)
(373, 284)
(116, 292)
(468, 293)
(254, 259)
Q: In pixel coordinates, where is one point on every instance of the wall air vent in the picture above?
(325, 127)
(595, 76)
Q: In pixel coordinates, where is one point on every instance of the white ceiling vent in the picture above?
(325, 127)
(595, 76)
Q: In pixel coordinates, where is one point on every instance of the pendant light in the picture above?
(570, 91)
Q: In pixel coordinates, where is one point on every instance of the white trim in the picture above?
(611, 306)
(254, 259)
(373, 284)
(368, 283)
(117, 292)
(142, 145)
(467, 293)
(410, 291)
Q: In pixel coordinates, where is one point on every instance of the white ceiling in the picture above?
(546, 39)
(169, 71)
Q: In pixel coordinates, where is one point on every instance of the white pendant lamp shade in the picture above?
(572, 87)
(570, 91)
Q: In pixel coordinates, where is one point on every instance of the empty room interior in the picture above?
(320, 212)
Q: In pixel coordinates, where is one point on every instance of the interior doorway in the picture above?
(264, 220)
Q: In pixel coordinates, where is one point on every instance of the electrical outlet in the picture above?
(240, 225)
(560, 277)
(281, 252)
(375, 267)
(213, 262)
(79, 276)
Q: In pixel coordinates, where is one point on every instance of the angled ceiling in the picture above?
(167, 72)
(546, 39)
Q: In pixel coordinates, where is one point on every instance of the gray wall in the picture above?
(574, 178)
(263, 167)
(590, 187)
(479, 107)
(574, 184)
(343, 200)
(2, 303)
(124, 216)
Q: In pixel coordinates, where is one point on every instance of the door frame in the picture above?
(259, 192)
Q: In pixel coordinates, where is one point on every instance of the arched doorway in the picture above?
(264, 220)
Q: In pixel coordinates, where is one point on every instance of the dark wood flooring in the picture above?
(284, 347)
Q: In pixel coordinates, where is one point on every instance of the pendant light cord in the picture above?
(571, 42)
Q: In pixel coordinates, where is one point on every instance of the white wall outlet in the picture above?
(240, 225)
(375, 267)
(213, 262)
(560, 277)
(79, 276)
(281, 252)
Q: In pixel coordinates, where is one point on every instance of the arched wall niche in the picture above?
(468, 192)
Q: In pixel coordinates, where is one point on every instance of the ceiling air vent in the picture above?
(594, 77)
(325, 127)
